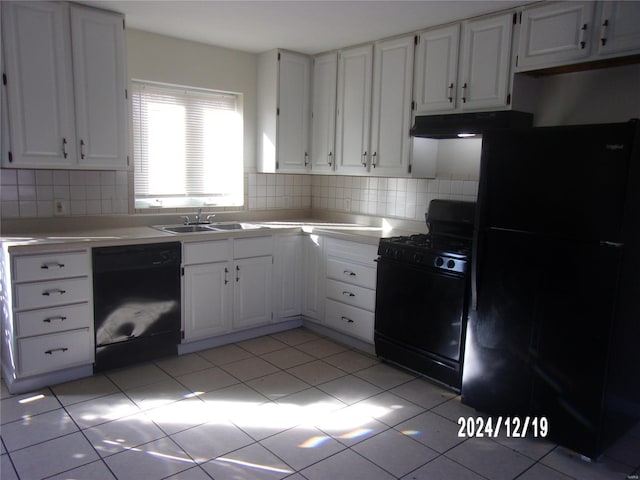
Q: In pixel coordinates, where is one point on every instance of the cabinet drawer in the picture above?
(352, 251)
(350, 320)
(207, 252)
(352, 273)
(55, 292)
(28, 268)
(351, 294)
(47, 353)
(252, 247)
(53, 320)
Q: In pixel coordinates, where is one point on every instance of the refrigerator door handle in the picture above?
(475, 254)
(606, 243)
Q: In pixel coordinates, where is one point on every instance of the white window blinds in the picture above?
(187, 146)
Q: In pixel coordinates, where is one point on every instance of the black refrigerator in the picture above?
(554, 323)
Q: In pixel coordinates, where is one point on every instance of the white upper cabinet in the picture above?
(464, 67)
(618, 28)
(374, 108)
(323, 112)
(39, 84)
(66, 86)
(100, 83)
(555, 34)
(436, 69)
(484, 63)
(354, 109)
(391, 106)
(284, 80)
(565, 33)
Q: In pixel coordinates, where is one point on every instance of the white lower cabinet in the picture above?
(350, 288)
(287, 276)
(227, 286)
(207, 300)
(313, 275)
(252, 294)
(47, 314)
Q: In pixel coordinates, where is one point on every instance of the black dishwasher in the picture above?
(136, 303)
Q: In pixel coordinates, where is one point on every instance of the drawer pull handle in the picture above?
(346, 319)
(57, 291)
(226, 275)
(350, 273)
(348, 294)
(47, 266)
(51, 319)
(54, 350)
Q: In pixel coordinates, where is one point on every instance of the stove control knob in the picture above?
(451, 264)
(439, 261)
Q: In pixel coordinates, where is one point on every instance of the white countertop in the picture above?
(27, 243)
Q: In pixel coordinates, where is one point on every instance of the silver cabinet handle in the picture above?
(464, 92)
(364, 159)
(348, 294)
(64, 147)
(82, 149)
(237, 273)
(603, 32)
(346, 319)
(583, 29)
(226, 273)
(330, 159)
(306, 159)
(450, 92)
(57, 291)
(374, 159)
(54, 350)
(350, 273)
(51, 319)
(48, 265)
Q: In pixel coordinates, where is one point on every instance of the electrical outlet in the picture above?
(60, 207)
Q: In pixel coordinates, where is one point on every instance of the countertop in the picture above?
(89, 238)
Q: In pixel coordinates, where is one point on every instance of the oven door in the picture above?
(421, 309)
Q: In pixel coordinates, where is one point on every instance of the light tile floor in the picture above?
(290, 405)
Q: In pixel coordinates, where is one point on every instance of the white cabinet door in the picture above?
(354, 109)
(555, 34)
(294, 112)
(484, 63)
(287, 276)
(323, 112)
(252, 292)
(313, 275)
(619, 27)
(39, 84)
(207, 299)
(436, 70)
(97, 38)
(391, 106)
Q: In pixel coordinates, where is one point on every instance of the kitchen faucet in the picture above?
(198, 217)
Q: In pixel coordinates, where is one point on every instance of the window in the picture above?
(187, 147)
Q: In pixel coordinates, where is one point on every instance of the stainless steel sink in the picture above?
(230, 226)
(185, 228)
(206, 227)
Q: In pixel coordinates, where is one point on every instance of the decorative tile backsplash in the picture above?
(45, 193)
(39, 193)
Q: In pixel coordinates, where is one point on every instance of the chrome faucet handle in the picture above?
(210, 217)
(185, 220)
(198, 214)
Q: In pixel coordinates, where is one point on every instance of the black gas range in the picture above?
(422, 294)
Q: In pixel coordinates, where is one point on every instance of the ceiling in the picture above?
(308, 26)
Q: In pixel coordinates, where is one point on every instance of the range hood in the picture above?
(457, 124)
